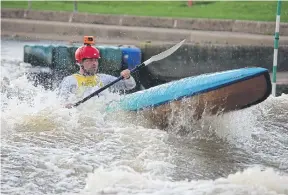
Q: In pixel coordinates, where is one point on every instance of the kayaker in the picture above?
(87, 80)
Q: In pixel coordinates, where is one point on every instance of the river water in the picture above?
(46, 149)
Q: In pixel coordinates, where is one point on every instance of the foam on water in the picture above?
(123, 180)
(52, 148)
(46, 149)
(260, 130)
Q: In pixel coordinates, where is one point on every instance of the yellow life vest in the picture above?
(83, 82)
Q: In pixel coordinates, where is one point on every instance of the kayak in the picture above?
(212, 93)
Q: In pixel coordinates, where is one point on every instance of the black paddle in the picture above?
(157, 57)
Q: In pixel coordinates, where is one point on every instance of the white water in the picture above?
(46, 149)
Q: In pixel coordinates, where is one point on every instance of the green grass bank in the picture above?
(238, 10)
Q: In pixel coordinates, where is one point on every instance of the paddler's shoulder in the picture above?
(70, 79)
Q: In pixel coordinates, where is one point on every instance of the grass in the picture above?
(240, 10)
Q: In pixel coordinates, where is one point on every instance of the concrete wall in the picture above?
(71, 26)
(254, 27)
(192, 60)
(65, 31)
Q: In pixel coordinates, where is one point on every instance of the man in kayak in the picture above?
(87, 80)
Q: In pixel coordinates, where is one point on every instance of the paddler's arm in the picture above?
(124, 84)
(128, 81)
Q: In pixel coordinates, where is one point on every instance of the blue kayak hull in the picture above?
(212, 93)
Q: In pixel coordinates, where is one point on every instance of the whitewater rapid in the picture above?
(47, 149)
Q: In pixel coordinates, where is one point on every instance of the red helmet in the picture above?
(86, 51)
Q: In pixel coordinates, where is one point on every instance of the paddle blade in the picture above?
(164, 54)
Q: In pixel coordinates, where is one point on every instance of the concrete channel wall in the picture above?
(254, 27)
(71, 26)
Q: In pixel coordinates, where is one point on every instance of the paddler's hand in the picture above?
(70, 105)
(125, 73)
